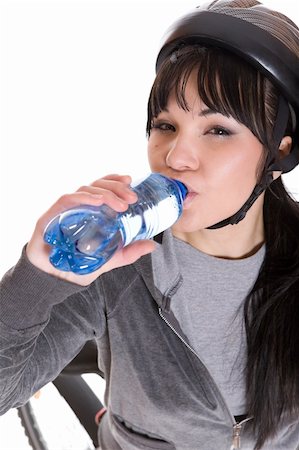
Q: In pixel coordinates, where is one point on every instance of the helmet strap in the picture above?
(271, 172)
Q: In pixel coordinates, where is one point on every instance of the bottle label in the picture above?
(165, 215)
(153, 221)
(131, 227)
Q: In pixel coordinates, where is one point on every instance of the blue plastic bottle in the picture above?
(86, 237)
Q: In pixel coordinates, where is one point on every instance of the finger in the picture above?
(127, 179)
(69, 201)
(92, 197)
(139, 248)
(112, 190)
(117, 177)
(108, 187)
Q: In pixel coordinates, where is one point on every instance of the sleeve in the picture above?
(44, 322)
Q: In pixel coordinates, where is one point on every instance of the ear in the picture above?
(285, 146)
(284, 150)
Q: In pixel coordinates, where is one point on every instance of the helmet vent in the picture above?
(254, 12)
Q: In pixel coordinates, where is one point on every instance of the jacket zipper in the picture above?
(237, 427)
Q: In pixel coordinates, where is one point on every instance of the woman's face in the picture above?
(214, 155)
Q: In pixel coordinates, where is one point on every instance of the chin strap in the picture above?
(272, 171)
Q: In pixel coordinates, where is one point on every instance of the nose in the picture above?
(182, 154)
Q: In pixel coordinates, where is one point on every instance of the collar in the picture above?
(160, 270)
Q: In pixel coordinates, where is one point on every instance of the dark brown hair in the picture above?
(232, 87)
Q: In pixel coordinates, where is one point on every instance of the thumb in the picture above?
(131, 253)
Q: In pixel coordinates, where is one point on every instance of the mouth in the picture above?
(189, 199)
(190, 195)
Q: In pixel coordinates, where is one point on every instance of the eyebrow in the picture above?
(203, 113)
(207, 112)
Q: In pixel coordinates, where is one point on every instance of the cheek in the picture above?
(226, 187)
(240, 170)
(154, 155)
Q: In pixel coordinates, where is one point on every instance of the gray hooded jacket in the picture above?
(159, 394)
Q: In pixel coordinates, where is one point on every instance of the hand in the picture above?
(114, 191)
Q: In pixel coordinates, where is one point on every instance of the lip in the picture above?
(189, 199)
(190, 195)
(188, 186)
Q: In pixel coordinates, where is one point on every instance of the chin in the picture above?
(187, 226)
(187, 223)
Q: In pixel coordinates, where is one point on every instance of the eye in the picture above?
(162, 126)
(219, 131)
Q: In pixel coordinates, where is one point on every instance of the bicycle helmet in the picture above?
(266, 39)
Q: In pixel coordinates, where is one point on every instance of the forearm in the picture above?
(36, 326)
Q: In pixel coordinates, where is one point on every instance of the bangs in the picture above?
(226, 84)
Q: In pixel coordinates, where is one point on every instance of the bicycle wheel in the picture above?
(31, 427)
(50, 423)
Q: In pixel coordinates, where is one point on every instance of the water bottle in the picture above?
(86, 237)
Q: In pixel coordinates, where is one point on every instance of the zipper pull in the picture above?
(237, 428)
(236, 436)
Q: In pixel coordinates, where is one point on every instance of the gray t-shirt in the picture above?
(209, 308)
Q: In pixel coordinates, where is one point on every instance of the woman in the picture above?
(198, 336)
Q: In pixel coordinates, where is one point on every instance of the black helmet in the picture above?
(266, 39)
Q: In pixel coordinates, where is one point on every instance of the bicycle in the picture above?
(80, 406)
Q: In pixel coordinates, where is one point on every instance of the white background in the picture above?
(75, 78)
